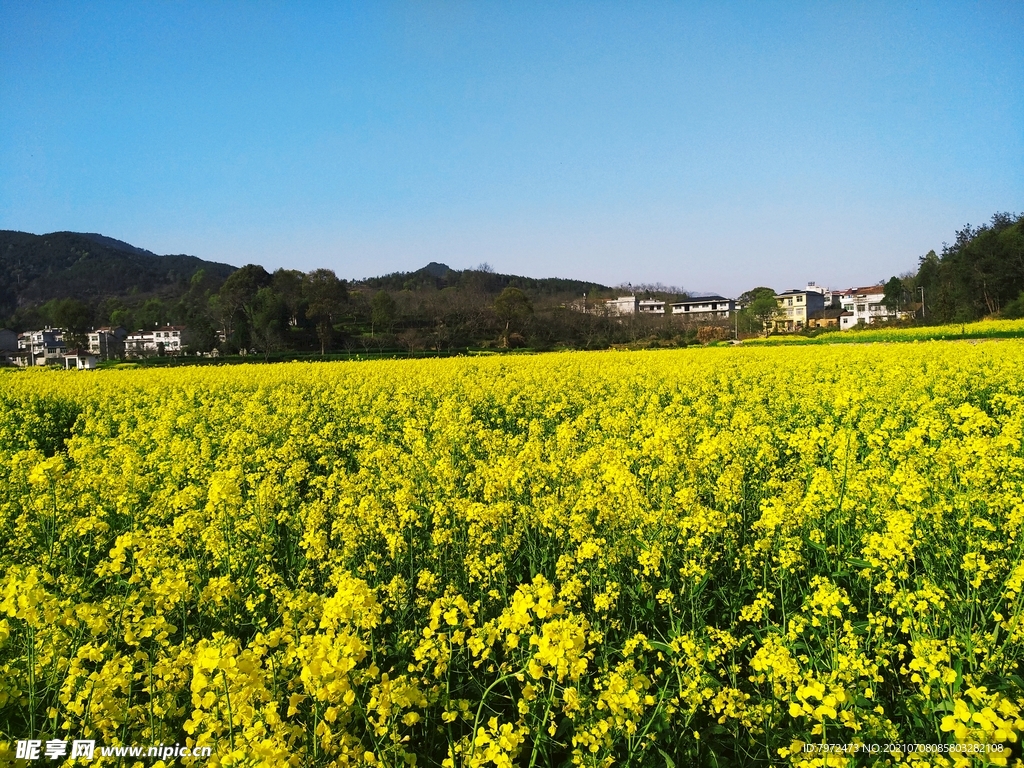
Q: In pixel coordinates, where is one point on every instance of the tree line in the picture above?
(435, 309)
(442, 310)
(979, 274)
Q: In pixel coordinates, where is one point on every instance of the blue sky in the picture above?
(717, 146)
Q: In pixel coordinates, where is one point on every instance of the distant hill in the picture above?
(441, 276)
(89, 267)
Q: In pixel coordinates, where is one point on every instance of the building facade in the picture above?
(107, 343)
(79, 359)
(43, 347)
(165, 339)
(864, 305)
(705, 307)
(623, 305)
(796, 308)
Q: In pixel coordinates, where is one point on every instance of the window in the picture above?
(799, 299)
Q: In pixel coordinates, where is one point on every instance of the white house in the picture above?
(624, 305)
(80, 359)
(864, 305)
(168, 337)
(160, 340)
(41, 347)
(651, 307)
(705, 307)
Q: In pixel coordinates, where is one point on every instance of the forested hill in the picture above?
(440, 276)
(981, 273)
(37, 268)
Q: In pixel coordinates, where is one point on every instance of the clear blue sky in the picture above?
(712, 145)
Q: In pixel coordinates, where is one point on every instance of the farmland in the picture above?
(694, 557)
(882, 332)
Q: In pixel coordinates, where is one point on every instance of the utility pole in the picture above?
(921, 287)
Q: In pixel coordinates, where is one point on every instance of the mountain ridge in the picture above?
(90, 267)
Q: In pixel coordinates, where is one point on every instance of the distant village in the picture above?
(798, 309)
(813, 307)
(49, 346)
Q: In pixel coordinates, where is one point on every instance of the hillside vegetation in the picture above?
(99, 272)
(77, 280)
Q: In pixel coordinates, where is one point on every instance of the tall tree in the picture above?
(326, 295)
(73, 316)
(978, 274)
(234, 303)
(760, 308)
(382, 312)
(287, 284)
(268, 319)
(894, 294)
(512, 308)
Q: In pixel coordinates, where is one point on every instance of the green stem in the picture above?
(480, 707)
(231, 723)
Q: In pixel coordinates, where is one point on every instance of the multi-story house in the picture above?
(107, 343)
(165, 339)
(651, 307)
(41, 347)
(705, 307)
(827, 294)
(796, 307)
(168, 338)
(624, 305)
(864, 305)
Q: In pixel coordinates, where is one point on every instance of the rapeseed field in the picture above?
(699, 557)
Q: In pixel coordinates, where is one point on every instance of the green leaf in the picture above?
(815, 545)
(665, 648)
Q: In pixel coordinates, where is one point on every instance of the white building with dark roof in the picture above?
(42, 347)
(705, 307)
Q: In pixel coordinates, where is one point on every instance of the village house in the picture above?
(107, 343)
(624, 305)
(43, 347)
(164, 339)
(825, 318)
(79, 359)
(631, 305)
(796, 307)
(864, 305)
(705, 307)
